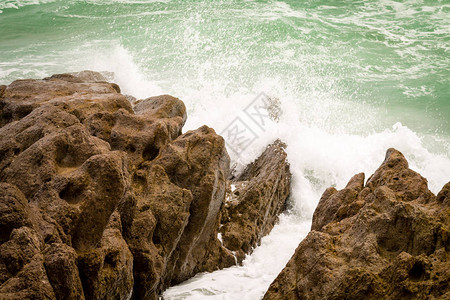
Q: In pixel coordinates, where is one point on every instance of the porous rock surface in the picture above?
(100, 199)
(387, 239)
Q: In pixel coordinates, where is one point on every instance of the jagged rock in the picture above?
(385, 240)
(259, 196)
(102, 200)
(2, 89)
(91, 76)
(197, 161)
(174, 219)
(157, 122)
(63, 183)
(105, 112)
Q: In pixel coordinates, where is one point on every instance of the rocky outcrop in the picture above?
(257, 197)
(100, 199)
(387, 239)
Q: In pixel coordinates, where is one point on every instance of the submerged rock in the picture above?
(102, 200)
(387, 239)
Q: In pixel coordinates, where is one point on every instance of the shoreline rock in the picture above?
(101, 199)
(259, 196)
(387, 239)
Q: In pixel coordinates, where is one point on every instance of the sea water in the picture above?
(353, 78)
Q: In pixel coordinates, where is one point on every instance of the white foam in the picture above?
(329, 139)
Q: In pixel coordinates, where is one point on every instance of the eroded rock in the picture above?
(103, 200)
(385, 240)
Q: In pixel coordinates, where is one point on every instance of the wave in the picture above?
(19, 3)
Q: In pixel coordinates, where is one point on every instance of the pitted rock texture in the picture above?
(100, 199)
(387, 239)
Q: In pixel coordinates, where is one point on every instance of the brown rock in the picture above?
(22, 271)
(158, 121)
(23, 96)
(252, 209)
(174, 211)
(153, 221)
(387, 240)
(63, 183)
(30, 283)
(444, 195)
(197, 161)
(336, 205)
(14, 210)
(107, 271)
(2, 90)
(60, 263)
(102, 200)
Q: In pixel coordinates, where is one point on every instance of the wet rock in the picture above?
(385, 240)
(30, 283)
(158, 121)
(23, 275)
(60, 186)
(259, 195)
(2, 89)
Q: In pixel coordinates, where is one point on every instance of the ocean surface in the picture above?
(350, 79)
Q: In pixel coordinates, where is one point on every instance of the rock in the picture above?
(107, 271)
(197, 161)
(102, 200)
(30, 283)
(100, 107)
(60, 261)
(23, 275)
(157, 122)
(92, 76)
(252, 208)
(162, 107)
(14, 210)
(154, 217)
(385, 240)
(63, 183)
(174, 217)
(23, 96)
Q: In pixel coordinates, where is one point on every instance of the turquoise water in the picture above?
(353, 77)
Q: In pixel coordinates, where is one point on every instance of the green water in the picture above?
(390, 56)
